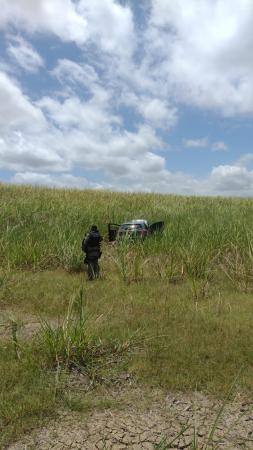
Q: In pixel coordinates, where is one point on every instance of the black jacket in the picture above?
(91, 245)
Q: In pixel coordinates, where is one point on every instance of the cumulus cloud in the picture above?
(222, 181)
(206, 48)
(157, 112)
(58, 181)
(110, 24)
(116, 102)
(16, 110)
(29, 152)
(245, 160)
(59, 17)
(79, 133)
(166, 181)
(93, 115)
(77, 21)
(232, 180)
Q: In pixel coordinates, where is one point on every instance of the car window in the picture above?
(131, 226)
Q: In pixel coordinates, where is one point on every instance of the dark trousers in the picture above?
(93, 269)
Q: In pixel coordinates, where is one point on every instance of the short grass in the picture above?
(175, 311)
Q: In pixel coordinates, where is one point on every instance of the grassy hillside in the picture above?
(175, 311)
(43, 228)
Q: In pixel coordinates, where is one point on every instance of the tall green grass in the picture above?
(26, 393)
(43, 228)
(74, 343)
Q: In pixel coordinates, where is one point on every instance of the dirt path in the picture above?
(153, 421)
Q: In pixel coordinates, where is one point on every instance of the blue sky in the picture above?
(153, 96)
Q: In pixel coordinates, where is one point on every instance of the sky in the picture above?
(127, 95)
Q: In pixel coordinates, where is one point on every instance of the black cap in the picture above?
(94, 228)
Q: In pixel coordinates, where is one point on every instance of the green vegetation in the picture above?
(174, 311)
(26, 393)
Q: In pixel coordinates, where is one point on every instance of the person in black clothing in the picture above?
(91, 245)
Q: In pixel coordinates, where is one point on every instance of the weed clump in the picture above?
(73, 343)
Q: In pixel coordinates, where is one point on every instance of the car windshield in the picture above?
(131, 226)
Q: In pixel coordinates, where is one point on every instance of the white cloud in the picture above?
(59, 181)
(219, 146)
(93, 116)
(157, 112)
(24, 54)
(70, 72)
(20, 152)
(196, 143)
(205, 52)
(59, 17)
(16, 110)
(204, 142)
(106, 22)
(5, 67)
(223, 181)
(79, 133)
(245, 160)
(232, 180)
(109, 24)
(166, 182)
(196, 53)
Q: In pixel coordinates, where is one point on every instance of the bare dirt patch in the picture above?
(27, 326)
(145, 420)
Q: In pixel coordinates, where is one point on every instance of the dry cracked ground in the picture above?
(145, 419)
(148, 421)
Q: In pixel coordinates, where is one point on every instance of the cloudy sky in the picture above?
(147, 95)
